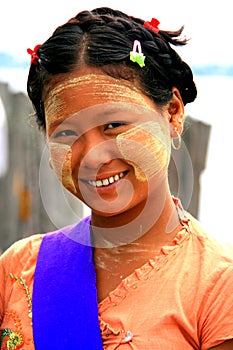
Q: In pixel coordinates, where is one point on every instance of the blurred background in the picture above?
(32, 201)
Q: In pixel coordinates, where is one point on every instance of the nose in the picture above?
(94, 150)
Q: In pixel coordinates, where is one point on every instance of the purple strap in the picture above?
(64, 301)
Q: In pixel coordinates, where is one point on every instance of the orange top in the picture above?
(182, 299)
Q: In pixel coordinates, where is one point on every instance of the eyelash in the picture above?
(109, 126)
(118, 124)
(66, 133)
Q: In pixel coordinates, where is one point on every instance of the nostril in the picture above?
(95, 155)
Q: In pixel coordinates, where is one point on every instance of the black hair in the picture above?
(104, 38)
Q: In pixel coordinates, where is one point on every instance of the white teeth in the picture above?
(111, 180)
(106, 182)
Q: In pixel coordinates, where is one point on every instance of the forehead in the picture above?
(76, 93)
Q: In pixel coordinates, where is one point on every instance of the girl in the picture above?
(139, 273)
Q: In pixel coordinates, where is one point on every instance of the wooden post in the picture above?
(22, 208)
(188, 163)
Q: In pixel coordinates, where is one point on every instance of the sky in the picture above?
(24, 24)
(208, 24)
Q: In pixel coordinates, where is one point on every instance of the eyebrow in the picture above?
(108, 112)
(59, 121)
(116, 110)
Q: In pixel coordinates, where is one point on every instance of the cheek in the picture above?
(61, 158)
(147, 148)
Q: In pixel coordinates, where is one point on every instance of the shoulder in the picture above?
(207, 245)
(17, 262)
(208, 259)
(210, 267)
(23, 247)
(212, 263)
(21, 254)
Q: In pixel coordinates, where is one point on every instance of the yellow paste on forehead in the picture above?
(147, 148)
(92, 88)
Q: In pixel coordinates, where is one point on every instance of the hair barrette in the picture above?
(33, 53)
(136, 55)
(152, 25)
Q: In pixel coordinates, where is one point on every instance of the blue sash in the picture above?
(64, 301)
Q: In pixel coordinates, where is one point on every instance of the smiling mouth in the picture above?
(108, 181)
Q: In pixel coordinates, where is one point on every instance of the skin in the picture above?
(96, 155)
(228, 345)
(85, 159)
(155, 143)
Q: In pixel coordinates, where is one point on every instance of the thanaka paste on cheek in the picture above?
(61, 158)
(147, 148)
(74, 94)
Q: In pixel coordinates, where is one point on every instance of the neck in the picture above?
(155, 221)
(117, 262)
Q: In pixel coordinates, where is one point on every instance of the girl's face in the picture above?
(109, 143)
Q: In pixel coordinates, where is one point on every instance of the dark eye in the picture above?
(114, 125)
(65, 133)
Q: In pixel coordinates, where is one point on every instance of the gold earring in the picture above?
(50, 163)
(180, 119)
(176, 148)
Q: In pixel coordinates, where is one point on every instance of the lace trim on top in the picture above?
(142, 273)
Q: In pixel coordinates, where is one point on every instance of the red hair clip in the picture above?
(33, 53)
(152, 25)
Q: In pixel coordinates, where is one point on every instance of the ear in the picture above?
(176, 112)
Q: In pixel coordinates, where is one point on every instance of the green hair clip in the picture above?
(136, 55)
